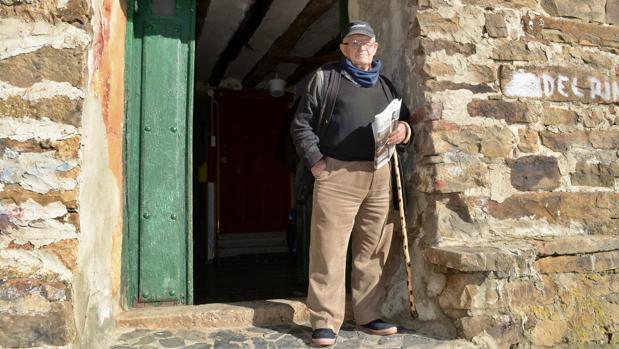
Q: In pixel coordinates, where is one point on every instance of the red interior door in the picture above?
(254, 181)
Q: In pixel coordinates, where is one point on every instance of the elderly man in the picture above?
(333, 136)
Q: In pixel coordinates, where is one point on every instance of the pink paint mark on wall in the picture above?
(102, 34)
(450, 126)
(8, 217)
(439, 184)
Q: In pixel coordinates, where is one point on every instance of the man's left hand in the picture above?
(398, 135)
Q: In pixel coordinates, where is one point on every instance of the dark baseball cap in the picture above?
(358, 27)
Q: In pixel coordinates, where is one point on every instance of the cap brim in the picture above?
(362, 32)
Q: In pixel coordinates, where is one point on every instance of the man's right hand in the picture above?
(318, 167)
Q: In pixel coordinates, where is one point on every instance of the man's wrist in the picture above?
(409, 131)
(313, 158)
(319, 160)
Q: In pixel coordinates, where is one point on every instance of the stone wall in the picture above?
(43, 60)
(515, 191)
(56, 229)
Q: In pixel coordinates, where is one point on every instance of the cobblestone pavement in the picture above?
(272, 337)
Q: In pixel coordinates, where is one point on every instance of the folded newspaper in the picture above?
(384, 123)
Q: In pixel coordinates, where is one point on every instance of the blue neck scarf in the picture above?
(362, 77)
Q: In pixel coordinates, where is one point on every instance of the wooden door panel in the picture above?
(162, 164)
(255, 191)
(158, 134)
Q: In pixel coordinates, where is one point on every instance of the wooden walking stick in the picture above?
(407, 257)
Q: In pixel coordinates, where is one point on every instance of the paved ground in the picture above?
(272, 337)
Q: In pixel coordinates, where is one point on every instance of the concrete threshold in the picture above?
(217, 315)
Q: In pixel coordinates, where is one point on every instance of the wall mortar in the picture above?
(555, 179)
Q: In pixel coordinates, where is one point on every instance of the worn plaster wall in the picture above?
(98, 280)
(60, 179)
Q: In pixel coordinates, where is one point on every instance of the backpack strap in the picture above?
(333, 87)
(388, 88)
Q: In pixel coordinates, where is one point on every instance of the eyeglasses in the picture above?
(359, 44)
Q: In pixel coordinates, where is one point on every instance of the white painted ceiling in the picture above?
(224, 18)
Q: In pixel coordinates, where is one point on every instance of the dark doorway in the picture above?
(246, 244)
(246, 250)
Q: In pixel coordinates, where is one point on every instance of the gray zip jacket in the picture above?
(311, 117)
(307, 124)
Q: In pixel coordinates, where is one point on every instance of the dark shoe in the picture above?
(379, 327)
(323, 337)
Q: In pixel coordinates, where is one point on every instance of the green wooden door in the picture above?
(159, 73)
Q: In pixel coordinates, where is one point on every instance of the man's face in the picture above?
(360, 49)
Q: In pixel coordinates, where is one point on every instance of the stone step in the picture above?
(217, 315)
(506, 258)
(576, 253)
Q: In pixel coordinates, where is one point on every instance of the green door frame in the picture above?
(131, 157)
(131, 161)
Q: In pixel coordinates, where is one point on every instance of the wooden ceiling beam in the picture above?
(307, 60)
(201, 13)
(328, 53)
(286, 42)
(241, 37)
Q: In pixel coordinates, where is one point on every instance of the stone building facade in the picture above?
(514, 185)
(515, 182)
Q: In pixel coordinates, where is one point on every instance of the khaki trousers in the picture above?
(349, 197)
